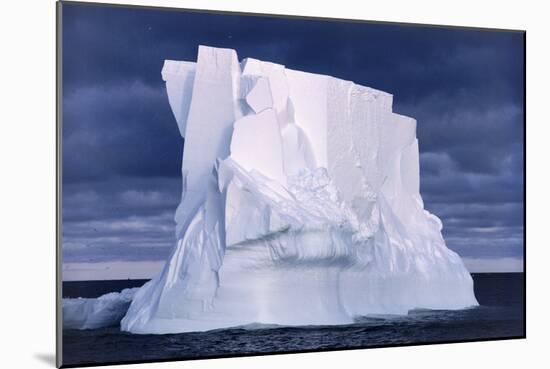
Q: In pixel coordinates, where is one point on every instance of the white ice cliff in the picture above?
(300, 205)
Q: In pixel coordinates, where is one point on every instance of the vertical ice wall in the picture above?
(179, 77)
(209, 126)
(189, 280)
(300, 205)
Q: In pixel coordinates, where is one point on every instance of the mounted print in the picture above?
(236, 184)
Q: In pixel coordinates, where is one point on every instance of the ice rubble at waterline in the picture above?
(92, 313)
(300, 205)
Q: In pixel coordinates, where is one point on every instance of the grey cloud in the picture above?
(123, 129)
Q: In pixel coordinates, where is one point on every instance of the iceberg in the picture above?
(92, 313)
(300, 205)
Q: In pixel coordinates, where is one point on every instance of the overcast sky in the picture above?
(122, 149)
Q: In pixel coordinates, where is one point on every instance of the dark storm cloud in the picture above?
(119, 197)
(128, 218)
(463, 187)
(122, 149)
(119, 129)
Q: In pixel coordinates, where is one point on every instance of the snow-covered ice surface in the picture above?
(300, 205)
(91, 313)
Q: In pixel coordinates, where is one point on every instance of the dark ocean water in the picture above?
(500, 315)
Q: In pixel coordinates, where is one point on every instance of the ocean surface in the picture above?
(500, 315)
